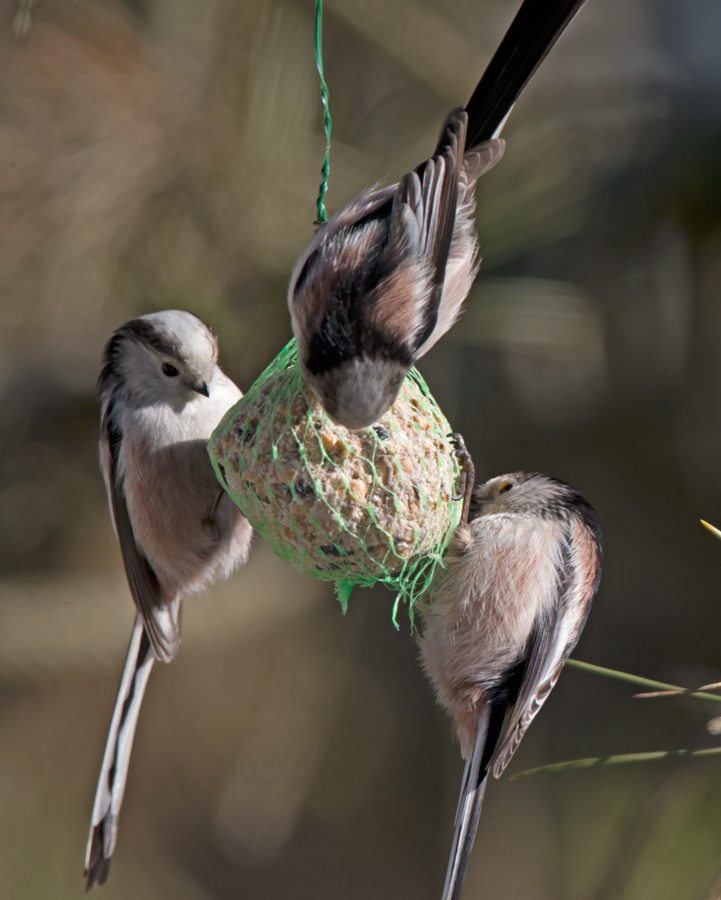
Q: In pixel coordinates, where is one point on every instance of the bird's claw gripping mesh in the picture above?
(353, 507)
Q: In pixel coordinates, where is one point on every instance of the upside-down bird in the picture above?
(385, 278)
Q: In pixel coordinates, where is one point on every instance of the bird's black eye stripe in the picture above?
(169, 370)
(506, 486)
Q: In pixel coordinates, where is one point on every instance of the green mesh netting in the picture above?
(353, 507)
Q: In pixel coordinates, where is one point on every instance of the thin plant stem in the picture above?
(636, 679)
(621, 759)
(704, 687)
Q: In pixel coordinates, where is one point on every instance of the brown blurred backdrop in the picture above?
(166, 153)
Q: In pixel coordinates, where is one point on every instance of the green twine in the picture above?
(327, 123)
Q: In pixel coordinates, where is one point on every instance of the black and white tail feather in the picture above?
(532, 34)
(470, 800)
(116, 759)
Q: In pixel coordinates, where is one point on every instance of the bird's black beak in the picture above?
(201, 388)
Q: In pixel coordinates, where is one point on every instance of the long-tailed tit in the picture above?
(502, 623)
(162, 394)
(385, 278)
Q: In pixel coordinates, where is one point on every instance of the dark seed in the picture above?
(330, 550)
(303, 489)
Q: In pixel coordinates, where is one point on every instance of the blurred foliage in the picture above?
(161, 153)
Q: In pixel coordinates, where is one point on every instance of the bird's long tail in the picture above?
(114, 770)
(534, 31)
(473, 787)
(470, 800)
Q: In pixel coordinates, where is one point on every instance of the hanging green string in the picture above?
(322, 215)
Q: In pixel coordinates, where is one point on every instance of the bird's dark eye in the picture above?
(506, 486)
(169, 370)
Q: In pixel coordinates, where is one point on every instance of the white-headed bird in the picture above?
(162, 393)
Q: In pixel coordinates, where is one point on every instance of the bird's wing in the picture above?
(478, 161)
(554, 636)
(161, 618)
(432, 192)
(462, 261)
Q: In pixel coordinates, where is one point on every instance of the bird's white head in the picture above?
(166, 357)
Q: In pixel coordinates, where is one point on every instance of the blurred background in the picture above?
(166, 153)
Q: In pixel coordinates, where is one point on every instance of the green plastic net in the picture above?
(353, 507)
